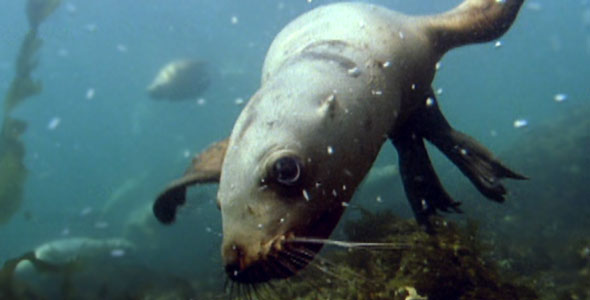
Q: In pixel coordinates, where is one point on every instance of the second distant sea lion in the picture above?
(180, 80)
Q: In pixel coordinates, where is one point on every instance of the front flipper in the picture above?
(205, 168)
(423, 188)
(473, 159)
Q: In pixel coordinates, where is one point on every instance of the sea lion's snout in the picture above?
(259, 262)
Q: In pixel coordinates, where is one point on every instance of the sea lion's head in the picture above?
(289, 171)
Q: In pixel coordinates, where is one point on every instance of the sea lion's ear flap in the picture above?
(205, 168)
(473, 21)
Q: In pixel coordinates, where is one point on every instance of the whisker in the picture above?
(349, 245)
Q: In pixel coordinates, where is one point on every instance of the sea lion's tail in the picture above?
(473, 21)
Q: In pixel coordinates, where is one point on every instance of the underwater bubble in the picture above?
(377, 92)
(239, 101)
(118, 252)
(437, 66)
(344, 187)
(463, 151)
(560, 97)
(259, 226)
(234, 20)
(90, 93)
(330, 150)
(201, 101)
(439, 91)
(379, 199)
(498, 44)
(500, 1)
(413, 86)
(424, 204)
(186, 153)
(386, 64)
(493, 133)
(86, 211)
(208, 229)
(334, 193)
(53, 123)
(344, 204)
(101, 225)
(518, 123)
(282, 220)
(401, 35)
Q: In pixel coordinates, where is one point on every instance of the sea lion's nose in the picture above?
(234, 257)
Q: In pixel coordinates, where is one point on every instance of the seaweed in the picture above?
(450, 264)
(13, 172)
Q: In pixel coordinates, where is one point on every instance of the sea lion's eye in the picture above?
(287, 170)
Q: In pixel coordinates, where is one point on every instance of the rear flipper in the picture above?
(423, 188)
(473, 159)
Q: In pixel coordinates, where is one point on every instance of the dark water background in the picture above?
(120, 147)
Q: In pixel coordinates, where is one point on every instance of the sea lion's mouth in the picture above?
(281, 259)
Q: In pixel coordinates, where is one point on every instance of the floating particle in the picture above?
(65, 231)
(437, 66)
(354, 72)
(387, 64)
(101, 225)
(71, 8)
(234, 20)
(401, 35)
(497, 44)
(305, 194)
(282, 220)
(377, 92)
(518, 123)
(239, 101)
(53, 123)
(118, 252)
(201, 101)
(260, 226)
(493, 133)
(413, 86)
(330, 150)
(63, 52)
(86, 211)
(500, 1)
(90, 93)
(344, 204)
(186, 153)
(122, 48)
(439, 91)
(309, 1)
(379, 199)
(429, 101)
(534, 6)
(560, 97)
(90, 27)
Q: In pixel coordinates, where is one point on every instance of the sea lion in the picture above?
(336, 83)
(182, 79)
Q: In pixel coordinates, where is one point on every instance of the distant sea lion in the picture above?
(336, 83)
(180, 80)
